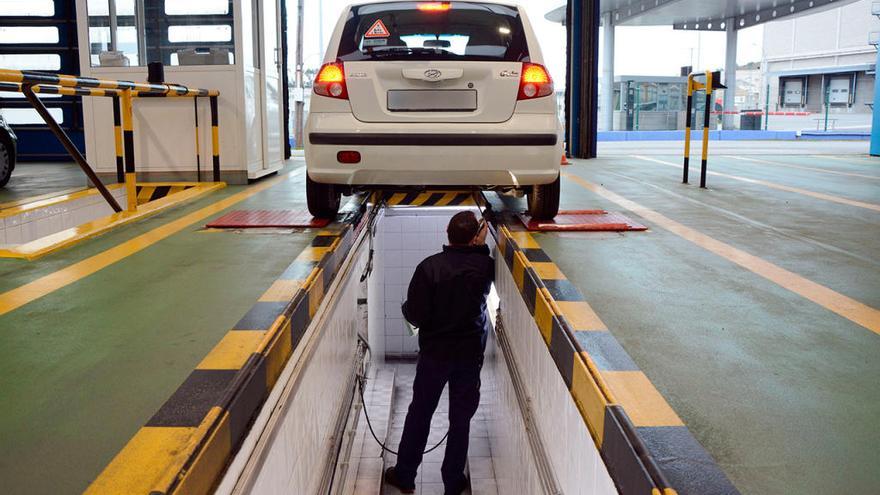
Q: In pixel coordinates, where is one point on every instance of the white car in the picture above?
(444, 94)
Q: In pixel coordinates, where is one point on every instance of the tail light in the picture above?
(330, 81)
(535, 82)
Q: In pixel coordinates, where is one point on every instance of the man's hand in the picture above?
(480, 238)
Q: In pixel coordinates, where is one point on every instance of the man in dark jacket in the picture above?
(447, 302)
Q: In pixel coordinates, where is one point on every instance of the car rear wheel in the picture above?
(323, 199)
(5, 164)
(543, 200)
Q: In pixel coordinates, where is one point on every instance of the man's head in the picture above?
(462, 228)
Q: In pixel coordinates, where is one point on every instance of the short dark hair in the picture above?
(462, 227)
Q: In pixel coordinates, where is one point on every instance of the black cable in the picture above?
(360, 380)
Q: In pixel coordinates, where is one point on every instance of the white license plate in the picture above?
(418, 100)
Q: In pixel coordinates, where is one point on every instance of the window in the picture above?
(42, 61)
(39, 8)
(123, 32)
(199, 7)
(178, 34)
(29, 34)
(24, 116)
(410, 31)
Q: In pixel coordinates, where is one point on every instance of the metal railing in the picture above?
(31, 83)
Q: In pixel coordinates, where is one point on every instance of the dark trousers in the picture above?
(432, 374)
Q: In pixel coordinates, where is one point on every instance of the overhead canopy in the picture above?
(702, 15)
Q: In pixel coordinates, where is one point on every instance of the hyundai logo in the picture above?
(433, 74)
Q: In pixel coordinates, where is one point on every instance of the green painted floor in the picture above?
(82, 368)
(784, 393)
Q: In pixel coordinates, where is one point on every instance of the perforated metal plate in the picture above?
(243, 219)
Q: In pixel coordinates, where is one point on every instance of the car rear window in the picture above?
(433, 31)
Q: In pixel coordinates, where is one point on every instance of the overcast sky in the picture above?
(658, 51)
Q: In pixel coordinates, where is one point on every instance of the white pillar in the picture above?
(607, 72)
(727, 121)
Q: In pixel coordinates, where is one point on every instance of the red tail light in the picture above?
(330, 81)
(535, 82)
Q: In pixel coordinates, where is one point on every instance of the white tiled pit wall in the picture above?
(40, 222)
(405, 236)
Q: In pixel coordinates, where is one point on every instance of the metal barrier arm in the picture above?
(69, 146)
(29, 83)
(35, 78)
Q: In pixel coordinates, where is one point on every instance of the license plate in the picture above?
(417, 100)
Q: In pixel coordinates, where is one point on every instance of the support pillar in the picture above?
(875, 113)
(607, 104)
(581, 92)
(728, 121)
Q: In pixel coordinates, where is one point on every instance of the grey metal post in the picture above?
(299, 105)
(728, 121)
(608, 71)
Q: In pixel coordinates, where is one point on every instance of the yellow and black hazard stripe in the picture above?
(128, 146)
(117, 140)
(430, 198)
(38, 78)
(152, 192)
(185, 445)
(215, 138)
(645, 445)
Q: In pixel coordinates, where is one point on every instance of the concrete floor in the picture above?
(781, 390)
(35, 179)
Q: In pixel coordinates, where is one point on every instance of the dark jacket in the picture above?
(447, 301)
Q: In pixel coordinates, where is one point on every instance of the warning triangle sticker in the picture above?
(377, 30)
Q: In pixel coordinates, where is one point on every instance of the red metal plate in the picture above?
(583, 220)
(245, 219)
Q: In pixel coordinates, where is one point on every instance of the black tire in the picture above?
(6, 164)
(323, 199)
(543, 200)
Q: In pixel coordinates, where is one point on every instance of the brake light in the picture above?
(331, 81)
(434, 6)
(534, 82)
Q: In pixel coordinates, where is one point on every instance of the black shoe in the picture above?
(391, 479)
(463, 485)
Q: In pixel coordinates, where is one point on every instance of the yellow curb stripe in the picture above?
(644, 405)
(590, 400)
(855, 311)
(18, 297)
(544, 313)
(232, 351)
(580, 316)
(281, 291)
(547, 270)
(781, 187)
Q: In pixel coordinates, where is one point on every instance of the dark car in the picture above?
(7, 151)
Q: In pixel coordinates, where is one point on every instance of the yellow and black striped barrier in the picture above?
(712, 82)
(215, 138)
(41, 78)
(31, 83)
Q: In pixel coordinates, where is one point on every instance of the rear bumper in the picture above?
(522, 151)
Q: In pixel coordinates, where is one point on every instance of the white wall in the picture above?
(408, 236)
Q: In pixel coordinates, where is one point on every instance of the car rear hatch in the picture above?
(433, 61)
